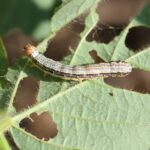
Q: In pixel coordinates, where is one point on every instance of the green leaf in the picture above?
(3, 143)
(144, 17)
(116, 50)
(66, 1)
(141, 60)
(3, 59)
(121, 52)
(90, 115)
(92, 120)
(61, 17)
(10, 86)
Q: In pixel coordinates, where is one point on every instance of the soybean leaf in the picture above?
(91, 114)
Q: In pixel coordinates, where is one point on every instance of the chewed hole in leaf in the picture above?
(118, 11)
(26, 94)
(138, 38)
(140, 84)
(67, 38)
(104, 34)
(95, 56)
(14, 51)
(42, 126)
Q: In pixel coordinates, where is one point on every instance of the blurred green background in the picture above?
(31, 16)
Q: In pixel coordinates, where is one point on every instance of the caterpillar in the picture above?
(48, 65)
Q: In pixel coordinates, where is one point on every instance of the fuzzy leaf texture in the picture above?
(3, 60)
(88, 117)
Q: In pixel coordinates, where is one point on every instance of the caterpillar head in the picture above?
(29, 50)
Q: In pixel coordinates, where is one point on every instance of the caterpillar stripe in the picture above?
(112, 69)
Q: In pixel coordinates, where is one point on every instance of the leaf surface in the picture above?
(93, 121)
(90, 115)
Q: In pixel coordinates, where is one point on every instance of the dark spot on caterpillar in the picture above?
(95, 57)
(111, 94)
(42, 126)
(138, 38)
